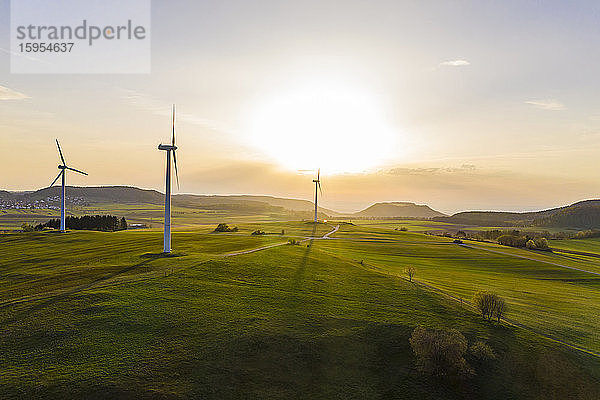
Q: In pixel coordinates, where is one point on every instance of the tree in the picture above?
(542, 244)
(500, 308)
(482, 351)
(439, 352)
(107, 223)
(410, 272)
(513, 240)
(531, 245)
(27, 227)
(490, 305)
(225, 228)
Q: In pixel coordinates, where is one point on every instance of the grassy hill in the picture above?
(133, 195)
(107, 317)
(145, 206)
(581, 215)
(398, 210)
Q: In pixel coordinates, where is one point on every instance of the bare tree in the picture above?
(410, 272)
(500, 308)
(490, 305)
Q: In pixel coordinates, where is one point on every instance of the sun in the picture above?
(336, 128)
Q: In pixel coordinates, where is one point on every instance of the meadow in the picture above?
(103, 315)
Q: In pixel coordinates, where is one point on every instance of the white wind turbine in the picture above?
(63, 167)
(169, 148)
(317, 186)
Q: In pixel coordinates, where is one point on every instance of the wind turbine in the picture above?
(317, 186)
(169, 148)
(63, 167)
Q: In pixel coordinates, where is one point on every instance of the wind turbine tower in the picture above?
(317, 183)
(167, 225)
(63, 168)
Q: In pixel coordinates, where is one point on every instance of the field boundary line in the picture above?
(378, 270)
(270, 246)
(475, 247)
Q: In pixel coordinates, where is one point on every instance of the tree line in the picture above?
(106, 223)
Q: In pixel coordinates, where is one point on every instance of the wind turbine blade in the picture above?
(173, 140)
(176, 172)
(320, 191)
(57, 176)
(76, 170)
(318, 173)
(60, 152)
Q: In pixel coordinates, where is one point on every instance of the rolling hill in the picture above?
(398, 210)
(581, 215)
(132, 195)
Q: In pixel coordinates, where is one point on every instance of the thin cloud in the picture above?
(455, 63)
(9, 94)
(548, 104)
(156, 107)
(24, 55)
(465, 168)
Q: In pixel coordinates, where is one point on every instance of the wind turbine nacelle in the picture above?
(316, 181)
(62, 167)
(166, 147)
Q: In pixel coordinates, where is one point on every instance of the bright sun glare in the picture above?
(337, 129)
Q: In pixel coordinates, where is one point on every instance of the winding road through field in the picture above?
(112, 281)
(325, 236)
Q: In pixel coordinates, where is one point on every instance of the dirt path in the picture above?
(325, 236)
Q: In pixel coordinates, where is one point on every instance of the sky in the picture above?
(461, 105)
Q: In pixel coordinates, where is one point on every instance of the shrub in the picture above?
(591, 233)
(293, 242)
(440, 353)
(512, 240)
(531, 245)
(403, 229)
(482, 351)
(27, 227)
(541, 244)
(258, 232)
(225, 228)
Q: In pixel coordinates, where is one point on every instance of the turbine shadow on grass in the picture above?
(297, 278)
(155, 256)
(54, 298)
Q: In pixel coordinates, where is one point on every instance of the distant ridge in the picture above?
(399, 209)
(581, 215)
(134, 195)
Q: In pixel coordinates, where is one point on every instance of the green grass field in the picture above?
(102, 315)
(557, 301)
(149, 214)
(583, 245)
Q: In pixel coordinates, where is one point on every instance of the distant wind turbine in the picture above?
(169, 148)
(63, 167)
(317, 186)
